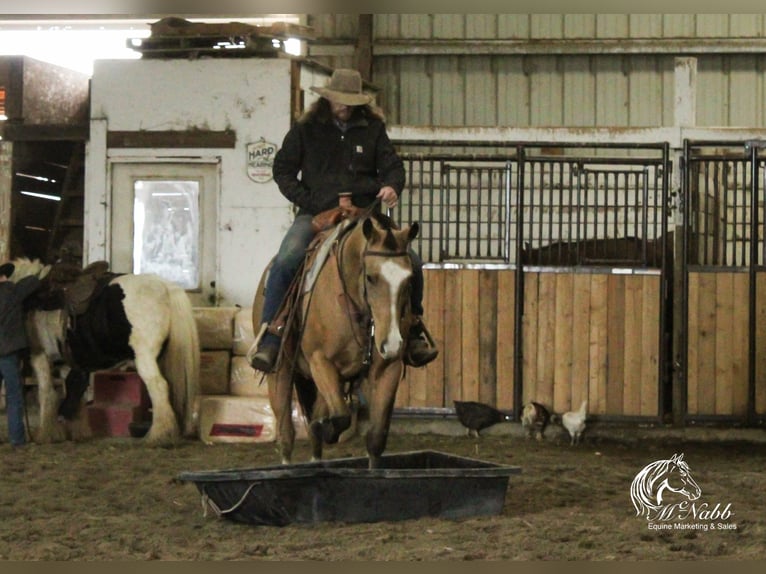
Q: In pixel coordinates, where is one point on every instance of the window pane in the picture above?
(166, 230)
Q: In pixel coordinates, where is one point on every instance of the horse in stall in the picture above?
(141, 318)
(349, 329)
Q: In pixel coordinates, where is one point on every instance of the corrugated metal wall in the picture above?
(542, 70)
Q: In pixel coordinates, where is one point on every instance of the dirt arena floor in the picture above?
(115, 499)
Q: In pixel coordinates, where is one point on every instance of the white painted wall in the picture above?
(248, 95)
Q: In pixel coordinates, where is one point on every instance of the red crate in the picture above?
(120, 388)
(113, 420)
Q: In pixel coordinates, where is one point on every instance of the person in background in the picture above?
(13, 339)
(337, 155)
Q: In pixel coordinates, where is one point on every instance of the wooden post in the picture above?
(6, 187)
(364, 47)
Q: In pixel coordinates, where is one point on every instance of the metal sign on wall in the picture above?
(260, 160)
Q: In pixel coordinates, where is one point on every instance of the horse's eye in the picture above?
(371, 279)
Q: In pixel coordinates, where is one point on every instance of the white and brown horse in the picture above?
(351, 325)
(142, 318)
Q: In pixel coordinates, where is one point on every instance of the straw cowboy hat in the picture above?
(344, 87)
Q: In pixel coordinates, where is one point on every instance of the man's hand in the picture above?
(388, 196)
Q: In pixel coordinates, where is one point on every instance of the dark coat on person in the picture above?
(360, 161)
(13, 335)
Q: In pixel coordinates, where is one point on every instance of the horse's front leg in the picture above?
(316, 427)
(280, 397)
(384, 381)
(327, 380)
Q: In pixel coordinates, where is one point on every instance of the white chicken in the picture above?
(574, 422)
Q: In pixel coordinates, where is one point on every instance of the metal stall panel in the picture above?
(724, 375)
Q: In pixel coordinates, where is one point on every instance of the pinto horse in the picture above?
(142, 318)
(350, 326)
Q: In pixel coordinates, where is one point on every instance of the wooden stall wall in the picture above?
(718, 344)
(592, 336)
(760, 345)
(469, 313)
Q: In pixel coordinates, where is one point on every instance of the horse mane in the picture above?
(25, 267)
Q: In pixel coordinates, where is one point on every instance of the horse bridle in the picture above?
(370, 327)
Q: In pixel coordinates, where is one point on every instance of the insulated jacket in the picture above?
(13, 335)
(360, 161)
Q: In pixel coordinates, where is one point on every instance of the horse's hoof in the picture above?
(333, 427)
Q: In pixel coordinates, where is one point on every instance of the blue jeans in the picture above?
(288, 261)
(14, 398)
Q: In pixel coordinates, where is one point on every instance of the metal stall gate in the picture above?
(583, 316)
(724, 285)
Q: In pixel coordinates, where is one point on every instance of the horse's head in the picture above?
(386, 282)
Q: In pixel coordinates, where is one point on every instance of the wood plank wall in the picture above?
(585, 335)
(718, 343)
(592, 336)
(469, 312)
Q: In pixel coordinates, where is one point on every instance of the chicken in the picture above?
(535, 417)
(478, 416)
(574, 422)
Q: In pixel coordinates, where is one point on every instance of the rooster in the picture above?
(478, 416)
(574, 422)
(535, 417)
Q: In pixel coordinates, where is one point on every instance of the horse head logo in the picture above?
(658, 479)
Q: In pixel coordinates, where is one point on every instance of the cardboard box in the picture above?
(215, 326)
(228, 419)
(214, 372)
(246, 381)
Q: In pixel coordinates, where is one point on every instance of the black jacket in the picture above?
(13, 335)
(329, 162)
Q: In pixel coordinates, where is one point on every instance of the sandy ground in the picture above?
(116, 499)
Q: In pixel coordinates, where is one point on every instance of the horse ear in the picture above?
(413, 231)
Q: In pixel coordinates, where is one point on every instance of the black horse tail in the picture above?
(307, 394)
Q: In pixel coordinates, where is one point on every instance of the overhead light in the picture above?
(41, 195)
(36, 177)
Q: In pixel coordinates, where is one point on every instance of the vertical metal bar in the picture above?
(725, 218)
(643, 211)
(664, 284)
(681, 378)
(518, 367)
(507, 231)
(445, 200)
(754, 228)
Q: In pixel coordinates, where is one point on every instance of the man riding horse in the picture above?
(346, 161)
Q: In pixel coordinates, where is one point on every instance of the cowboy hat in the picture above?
(344, 87)
(7, 269)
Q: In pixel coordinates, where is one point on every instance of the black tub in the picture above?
(408, 485)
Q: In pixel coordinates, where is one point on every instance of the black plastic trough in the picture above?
(408, 485)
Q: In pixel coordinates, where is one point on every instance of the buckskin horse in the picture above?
(350, 325)
(142, 318)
